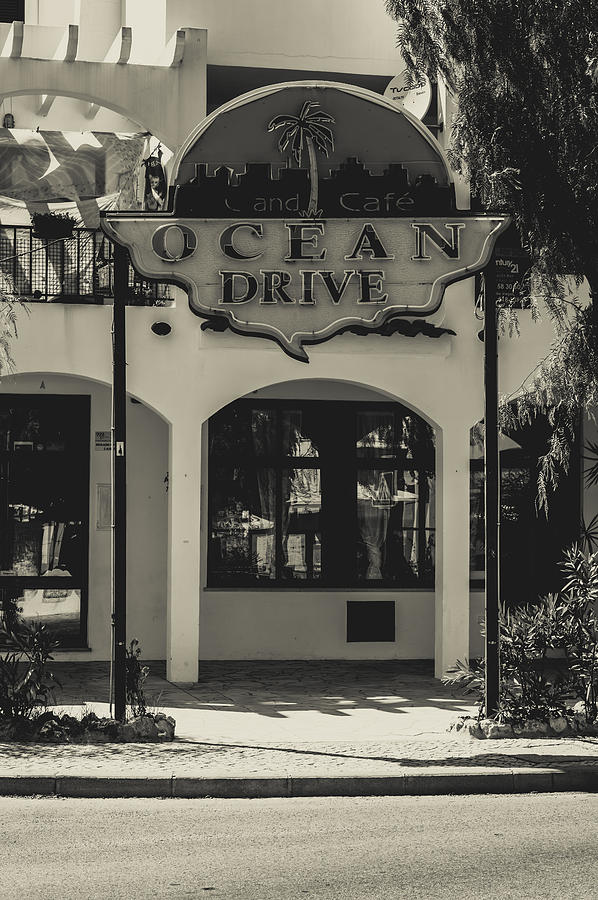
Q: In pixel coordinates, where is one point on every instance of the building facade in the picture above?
(278, 508)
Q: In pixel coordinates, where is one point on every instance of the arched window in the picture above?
(322, 493)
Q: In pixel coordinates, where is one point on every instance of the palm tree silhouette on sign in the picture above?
(308, 129)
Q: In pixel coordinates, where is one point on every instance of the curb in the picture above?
(507, 781)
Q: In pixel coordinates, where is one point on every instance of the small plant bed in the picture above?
(548, 663)
(27, 685)
(55, 728)
(572, 724)
(52, 226)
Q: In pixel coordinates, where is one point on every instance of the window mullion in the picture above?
(278, 463)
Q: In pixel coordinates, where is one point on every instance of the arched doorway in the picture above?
(55, 512)
(322, 490)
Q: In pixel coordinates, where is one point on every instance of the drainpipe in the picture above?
(119, 482)
(491, 490)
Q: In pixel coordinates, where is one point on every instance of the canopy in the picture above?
(42, 168)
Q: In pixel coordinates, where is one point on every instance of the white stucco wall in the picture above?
(336, 36)
(186, 377)
(308, 624)
(147, 516)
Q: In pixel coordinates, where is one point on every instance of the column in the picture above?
(182, 614)
(452, 558)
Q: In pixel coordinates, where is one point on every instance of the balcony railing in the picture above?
(78, 269)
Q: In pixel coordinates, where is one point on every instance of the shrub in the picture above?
(25, 680)
(135, 677)
(548, 651)
(53, 225)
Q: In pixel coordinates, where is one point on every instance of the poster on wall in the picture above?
(154, 196)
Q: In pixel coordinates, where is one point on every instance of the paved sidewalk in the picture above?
(296, 729)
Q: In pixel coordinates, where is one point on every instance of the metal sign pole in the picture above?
(119, 481)
(491, 491)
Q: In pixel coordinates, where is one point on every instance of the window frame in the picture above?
(79, 409)
(565, 508)
(279, 461)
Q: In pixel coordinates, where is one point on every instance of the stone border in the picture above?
(507, 781)
(560, 726)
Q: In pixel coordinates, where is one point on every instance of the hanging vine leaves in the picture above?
(526, 137)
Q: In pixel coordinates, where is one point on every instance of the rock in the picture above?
(531, 728)
(54, 731)
(102, 731)
(128, 732)
(559, 724)
(8, 731)
(578, 712)
(522, 730)
(472, 727)
(497, 730)
(166, 726)
(144, 728)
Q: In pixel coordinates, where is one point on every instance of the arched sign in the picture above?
(304, 225)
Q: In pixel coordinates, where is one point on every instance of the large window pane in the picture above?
(42, 525)
(376, 434)
(300, 433)
(318, 518)
(395, 527)
(243, 432)
(44, 490)
(302, 541)
(243, 524)
(58, 609)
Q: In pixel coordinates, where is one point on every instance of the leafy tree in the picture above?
(10, 304)
(526, 136)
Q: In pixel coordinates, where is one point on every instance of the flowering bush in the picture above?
(548, 651)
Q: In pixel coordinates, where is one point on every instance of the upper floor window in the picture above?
(12, 11)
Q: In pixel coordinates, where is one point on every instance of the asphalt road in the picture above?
(524, 846)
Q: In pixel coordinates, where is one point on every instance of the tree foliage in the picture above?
(526, 136)
(526, 132)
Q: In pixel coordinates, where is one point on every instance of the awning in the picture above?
(86, 213)
(41, 168)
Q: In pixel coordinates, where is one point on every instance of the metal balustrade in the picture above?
(78, 269)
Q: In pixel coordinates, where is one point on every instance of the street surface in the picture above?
(518, 846)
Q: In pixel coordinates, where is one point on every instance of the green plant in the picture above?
(135, 677)
(10, 612)
(53, 225)
(548, 650)
(26, 683)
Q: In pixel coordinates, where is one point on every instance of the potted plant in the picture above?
(52, 226)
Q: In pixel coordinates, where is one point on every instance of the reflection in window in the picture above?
(376, 434)
(44, 447)
(58, 609)
(321, 492)
(243, 523)
(531, 546)
(301, 503)
(298, 433)
(395, 516)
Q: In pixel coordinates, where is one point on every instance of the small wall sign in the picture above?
(103, 440)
